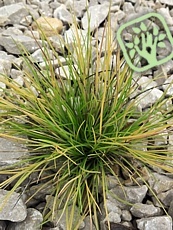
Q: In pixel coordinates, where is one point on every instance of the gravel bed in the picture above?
(16, 23)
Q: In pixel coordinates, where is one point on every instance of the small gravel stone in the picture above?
(146, 83)
(14, 209)
(77, 7)
(166, 197)
(63, 14)
(167, 67)
(71, 34)
(120, 15)
(10, 151)
(32, 222)
(131, 194)
(57, 43)
(114, 2)
(155, 223)
(2, 87)
(62, 224)
(4, 20)
(38, 55)
(112, 208)
(144, 210)
(88, 225)
(160, 183)
(128, 8)
(165, 13)
(33, 34)
(97, 13)
(147, 99)
(45, 9)
(16, 73)
(168, 86)
(168, 2)
(13, 13)
(126, 215)
(13, 43)
(113, 217)
(12, 30)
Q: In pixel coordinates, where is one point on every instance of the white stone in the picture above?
(38, 55)
(11, 151)
(2, 87)
(146, 83)
(113, 217)
(63, 72)
(114, 9)
(144, 210)
(14, 209)
(63, 14)
(112, 207)
(77, 7)
(147, 99)
(33, 34)
(166, 197)
(162, 138)
(4, 20)
(26, 21)
(166, 15)
(128, 8)
(143, 10)
(126, 215)
(32, 222)
(19, 80)
(33, 89)
(131, 194)
(5, 66)
(14, 12)
(72, 34)
(45, 9)
(18, 62)
(160, 183)
(15, 73)
(167, 67)
(57, 43)
(97, 15)
(114, 2)
(120, 15)
(11, 31)
(15, 43)
(168, 2)
(155, 223)
(168, 86)
(55, 63)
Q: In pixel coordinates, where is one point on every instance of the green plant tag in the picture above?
(149, 34)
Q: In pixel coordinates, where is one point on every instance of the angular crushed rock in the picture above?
(10, 151)
(13, 209)
(155, 223)
(32, 222)
(144, 210)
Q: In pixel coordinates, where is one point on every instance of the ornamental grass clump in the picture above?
(80, 123)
